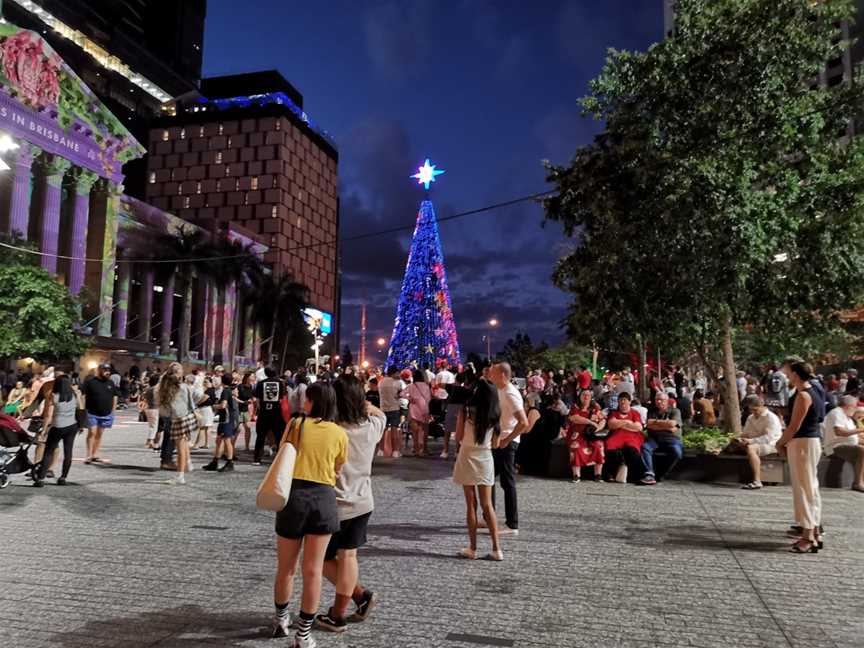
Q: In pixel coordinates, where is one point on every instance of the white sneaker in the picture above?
(505, 530)
(309, 642)
(281, 627)
(444, 455)
(179, 480)
(396, 454)
(189, 466)
(380, 453)
(269, 451)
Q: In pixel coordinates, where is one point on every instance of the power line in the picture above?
(331, 242)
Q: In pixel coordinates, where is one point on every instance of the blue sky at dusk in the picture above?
(486, 89)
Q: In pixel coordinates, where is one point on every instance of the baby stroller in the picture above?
(15, 445)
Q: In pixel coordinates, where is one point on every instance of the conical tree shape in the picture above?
(424, 331)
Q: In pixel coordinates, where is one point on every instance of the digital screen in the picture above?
(325, 318)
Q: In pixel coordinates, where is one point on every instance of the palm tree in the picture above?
(278, 299)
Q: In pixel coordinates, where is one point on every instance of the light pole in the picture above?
(492, 324)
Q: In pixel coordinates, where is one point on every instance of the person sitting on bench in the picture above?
(664, 433)
(761, 432)
(843, 438)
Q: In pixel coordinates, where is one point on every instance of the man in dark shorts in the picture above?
(268, 394)
(100, 401)
(226, 430)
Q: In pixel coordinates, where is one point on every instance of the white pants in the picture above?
(152, 423)
(803, 456)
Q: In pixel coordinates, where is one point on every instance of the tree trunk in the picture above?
(186, 321)
(167, 314)
(731, 406)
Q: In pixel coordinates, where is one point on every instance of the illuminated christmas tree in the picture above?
(424, 331)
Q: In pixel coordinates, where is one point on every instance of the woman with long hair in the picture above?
(245, 394)
(176, 401)
(478, 430)
(147, 402)
(586, 420)
(206, 417)
(801, 443)
(59, 413)
(311, 515)
(419, 395)
(364, 423)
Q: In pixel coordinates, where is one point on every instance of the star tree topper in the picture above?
(426, 174)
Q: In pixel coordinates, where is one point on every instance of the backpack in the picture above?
(775, 385)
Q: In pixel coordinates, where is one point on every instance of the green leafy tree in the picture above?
(721, 194)
(521, 353)
(277, 303)
(39, 317)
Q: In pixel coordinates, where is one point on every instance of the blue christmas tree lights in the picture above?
(424, 330)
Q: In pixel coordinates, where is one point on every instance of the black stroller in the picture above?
(15, 445)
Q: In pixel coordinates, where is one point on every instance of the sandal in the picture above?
(468, 553)
(803, 547)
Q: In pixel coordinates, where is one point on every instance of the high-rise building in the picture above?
(244, 152)
(135, 55)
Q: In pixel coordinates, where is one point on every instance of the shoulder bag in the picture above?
(274, 490)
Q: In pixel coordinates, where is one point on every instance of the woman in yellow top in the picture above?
(311, 516)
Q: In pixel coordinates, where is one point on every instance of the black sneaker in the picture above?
(61, 481)
(228, 467)
(331, 623)
(213, 466)
(38, 483)
(364, 608)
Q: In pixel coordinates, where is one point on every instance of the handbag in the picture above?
(275, 488)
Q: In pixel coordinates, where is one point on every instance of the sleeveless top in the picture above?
(64, 412)
(811, 426)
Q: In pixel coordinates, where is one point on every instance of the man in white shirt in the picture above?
(843, 438)
(445, 377)
(759, 436)
(388, 390)
(513, 423)
(427, 373)
(260, 375)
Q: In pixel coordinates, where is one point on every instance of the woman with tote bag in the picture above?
(310, 517)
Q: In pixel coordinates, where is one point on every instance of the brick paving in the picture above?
(117, 558)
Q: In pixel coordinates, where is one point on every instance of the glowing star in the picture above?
(426, 174)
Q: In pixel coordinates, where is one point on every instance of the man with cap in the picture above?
(100, 401)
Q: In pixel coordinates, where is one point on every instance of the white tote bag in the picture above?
(274, 490)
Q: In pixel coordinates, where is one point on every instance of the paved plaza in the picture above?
(117, 558)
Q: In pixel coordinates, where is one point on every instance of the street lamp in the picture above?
(381, 342)
(492, 324)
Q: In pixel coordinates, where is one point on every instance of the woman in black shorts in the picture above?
(310, 517)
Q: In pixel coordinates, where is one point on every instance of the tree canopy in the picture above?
(723, 192)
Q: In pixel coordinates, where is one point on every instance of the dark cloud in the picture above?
(397, 38)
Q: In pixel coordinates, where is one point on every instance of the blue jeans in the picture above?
(669, 444)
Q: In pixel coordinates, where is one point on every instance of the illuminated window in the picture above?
(164, 135)
(275, 182)
(186, 202)
(219, 157)
(229, 141)
(200, 131)
(198, 188)
(299, 222)
(278, 124)
(182, 133)
(152, 177)
(180, 189)
(218, 185)
(220, 128)
(227, 170)
(237, 184)
(274, 211)
(245, 198)
(254, 182)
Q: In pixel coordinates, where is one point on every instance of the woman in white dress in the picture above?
(477, 432)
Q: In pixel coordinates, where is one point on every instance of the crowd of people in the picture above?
(497, 425)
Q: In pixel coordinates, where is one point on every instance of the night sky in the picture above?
(486, 89)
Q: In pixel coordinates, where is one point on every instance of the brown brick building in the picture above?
(245, 153)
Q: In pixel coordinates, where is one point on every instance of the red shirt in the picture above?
(585, 379)
(621, 438)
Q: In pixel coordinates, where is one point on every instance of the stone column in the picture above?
(122, 299)
(55, 170)
(146, 305)
(109, 256)
(226, 343)
(84, 181)
(22, 189)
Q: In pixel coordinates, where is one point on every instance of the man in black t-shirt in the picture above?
(268, 394)
(100, 401)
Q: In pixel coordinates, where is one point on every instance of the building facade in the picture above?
(134, 55)
(244, 154)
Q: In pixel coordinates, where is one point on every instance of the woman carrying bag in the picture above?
(310, 517)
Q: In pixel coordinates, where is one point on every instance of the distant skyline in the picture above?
(485, 89)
